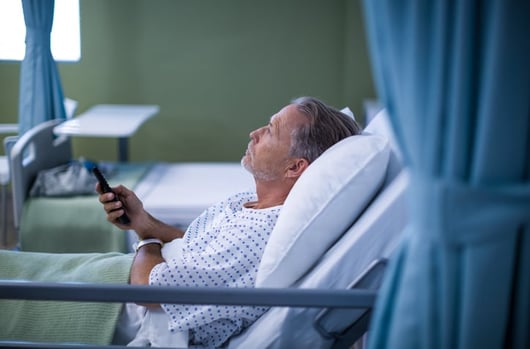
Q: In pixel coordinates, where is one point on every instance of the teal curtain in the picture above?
(455, 78)
(41, 96)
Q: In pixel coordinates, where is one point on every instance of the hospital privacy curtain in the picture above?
(455, 78)
(41, 95)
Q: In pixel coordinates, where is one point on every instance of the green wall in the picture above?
(218, 69)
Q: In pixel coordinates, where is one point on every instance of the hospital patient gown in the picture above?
(221, 248)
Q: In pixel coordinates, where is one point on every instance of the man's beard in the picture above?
(263, 175)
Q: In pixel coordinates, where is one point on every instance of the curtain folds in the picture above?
(455, 79)
(41, 95)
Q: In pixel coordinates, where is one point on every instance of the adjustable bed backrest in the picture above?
(380, 125)
(35, 150)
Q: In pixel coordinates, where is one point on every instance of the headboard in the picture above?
(35, 150)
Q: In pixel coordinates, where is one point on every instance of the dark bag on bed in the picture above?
(66, 180)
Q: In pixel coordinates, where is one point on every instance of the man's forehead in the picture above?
(283, 111)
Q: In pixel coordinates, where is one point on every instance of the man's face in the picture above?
(267, 153)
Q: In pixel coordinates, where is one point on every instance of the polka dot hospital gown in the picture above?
(221, 248)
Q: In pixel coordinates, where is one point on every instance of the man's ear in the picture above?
(296, 167)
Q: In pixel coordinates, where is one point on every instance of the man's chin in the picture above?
(245, 165)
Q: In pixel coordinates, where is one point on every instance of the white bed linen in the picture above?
(176, 193)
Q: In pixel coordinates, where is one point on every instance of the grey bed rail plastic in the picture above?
(291, 297)
(288, 297)
(346, 326)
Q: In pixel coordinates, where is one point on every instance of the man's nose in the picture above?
(254, 135)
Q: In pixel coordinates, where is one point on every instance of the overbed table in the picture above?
(109, 120)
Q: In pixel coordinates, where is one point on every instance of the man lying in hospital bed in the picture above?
(224, 245)
(360, 149)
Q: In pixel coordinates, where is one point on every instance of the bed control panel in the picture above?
(106, 189)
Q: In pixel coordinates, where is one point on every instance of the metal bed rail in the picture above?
(90, 292)
(289, 297)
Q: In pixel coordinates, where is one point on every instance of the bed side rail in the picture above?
(271, 297)
(346, 326)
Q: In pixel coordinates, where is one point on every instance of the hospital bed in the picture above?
(308, 283)
(174, 192)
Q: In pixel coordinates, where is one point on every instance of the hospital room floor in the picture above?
(11, 233)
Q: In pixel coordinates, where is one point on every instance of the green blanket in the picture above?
(55, 321)
(77, 223)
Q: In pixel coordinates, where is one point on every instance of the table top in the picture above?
(8, 128)
(108, 120)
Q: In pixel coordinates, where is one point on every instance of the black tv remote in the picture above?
(105, 187)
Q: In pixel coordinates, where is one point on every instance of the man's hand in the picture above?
(129, 202)
(145, 225)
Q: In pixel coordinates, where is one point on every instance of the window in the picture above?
(65, 36)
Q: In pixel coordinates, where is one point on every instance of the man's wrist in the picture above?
(141, 243)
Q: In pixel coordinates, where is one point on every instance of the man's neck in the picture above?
(270, 194)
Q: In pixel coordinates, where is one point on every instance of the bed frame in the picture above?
(357, 299)
(339, 317)
(335, 317)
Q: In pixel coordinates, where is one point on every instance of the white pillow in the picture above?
(380, 125)
(323, 203)
(347, 111)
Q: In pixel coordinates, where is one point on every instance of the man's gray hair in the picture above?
(326, 127)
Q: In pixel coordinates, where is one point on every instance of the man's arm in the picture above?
(144, 261)
(145, 226)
